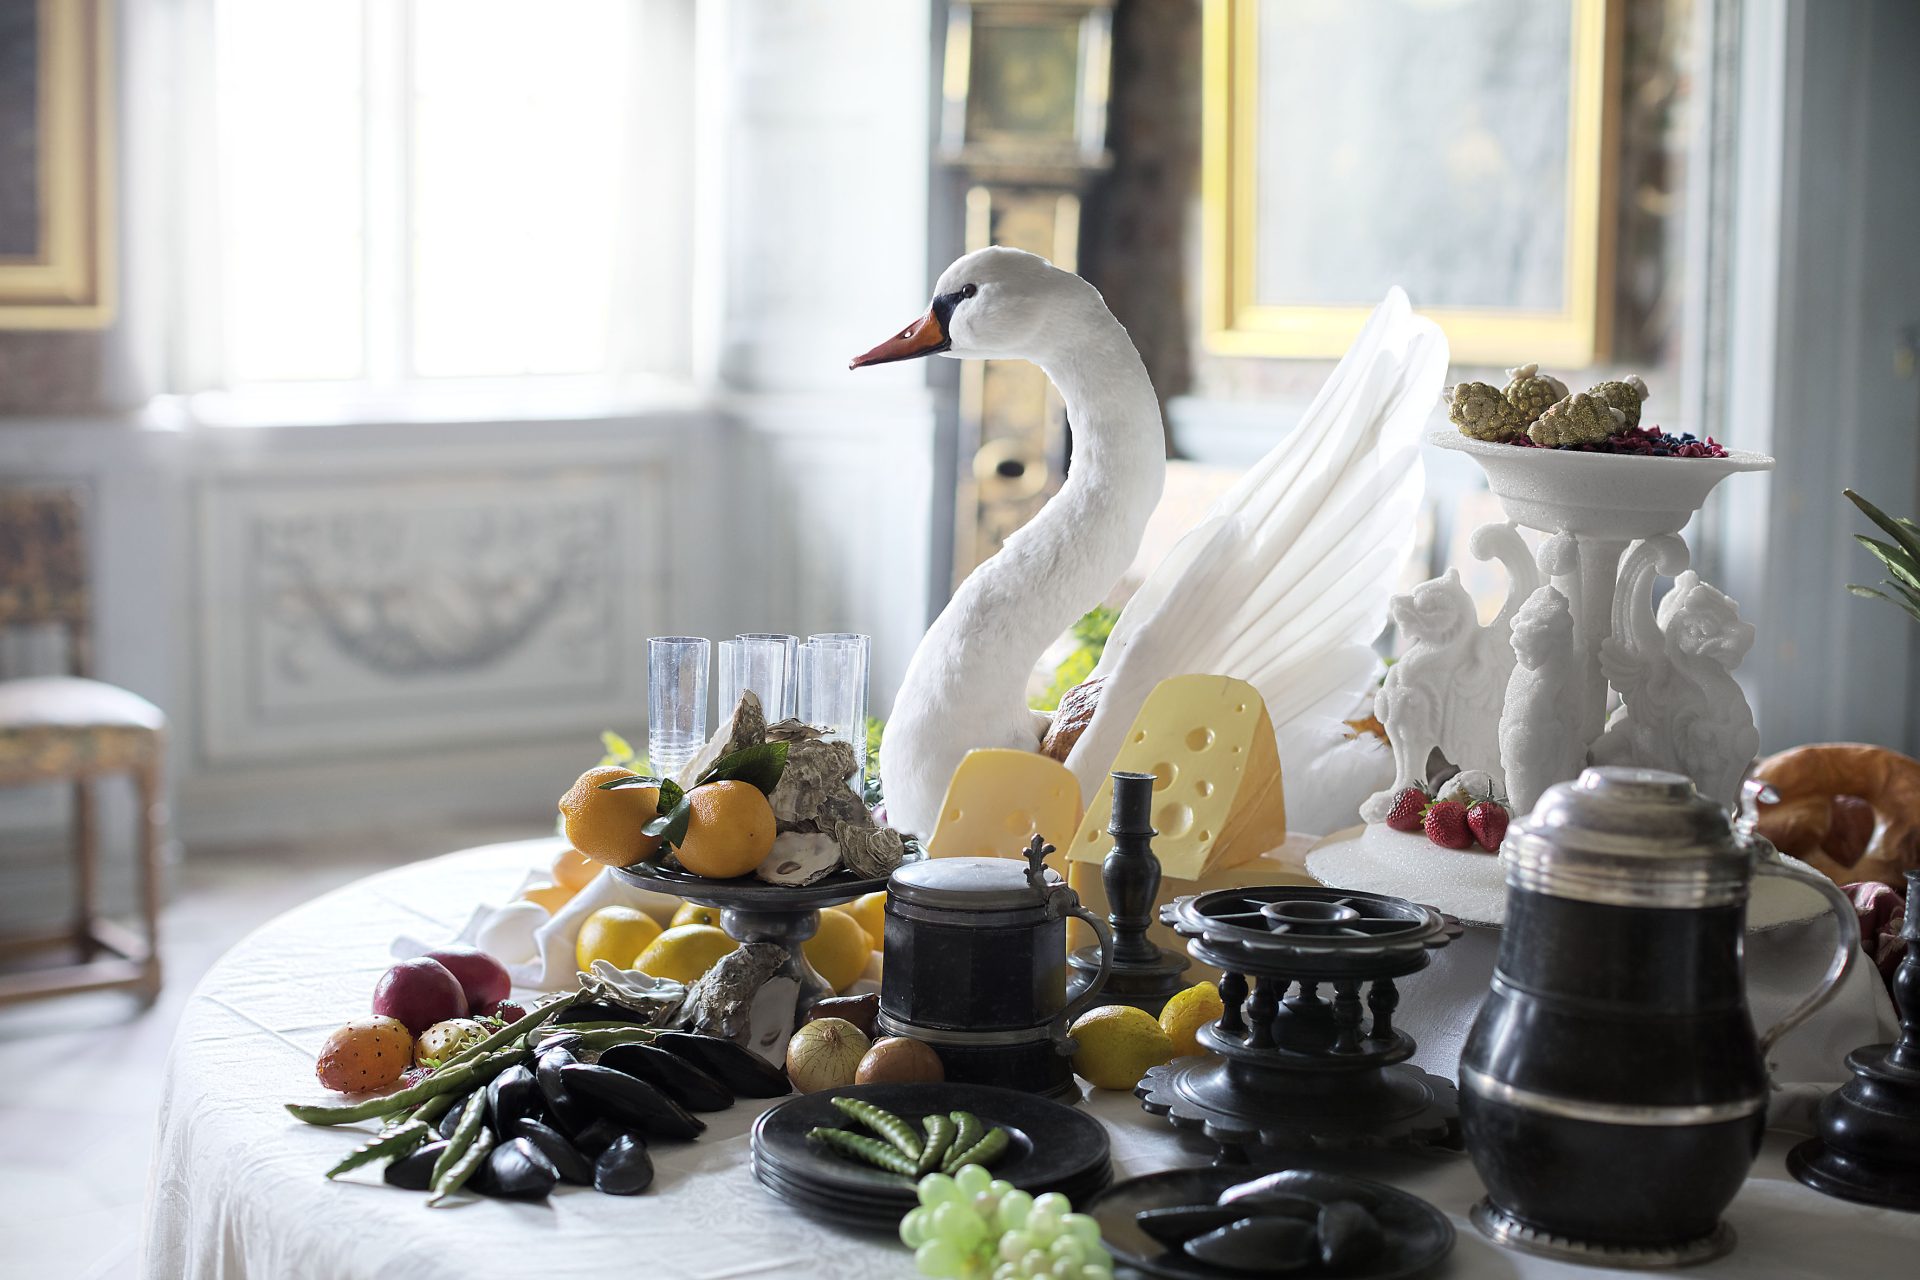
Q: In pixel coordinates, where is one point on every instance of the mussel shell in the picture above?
(685, 1083)
(594, 1011)
(566, 1158)
(623, 1169)
(1262, 1246)
(512, 1095)
(414, 1171)
(516, 1170)
(596, 1137)
(569, 1114)
(1178, 1224)
(1349, 1235)
(740, 1069)
(1309, 1183)
(632, 1101)
(451, 1120)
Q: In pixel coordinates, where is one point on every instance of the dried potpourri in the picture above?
(1649, 441)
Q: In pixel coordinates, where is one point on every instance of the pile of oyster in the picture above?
(822, 822)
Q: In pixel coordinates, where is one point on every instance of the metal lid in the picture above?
(968, 884)
(1632, 838)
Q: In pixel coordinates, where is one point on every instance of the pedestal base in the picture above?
(1144, 985)
(1509, 1232)
(1399, 1105)
(1868, 1148)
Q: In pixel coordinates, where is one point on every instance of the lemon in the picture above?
(1187, 1012)
(871, 912)
(615, 934)
(691, 914)
(550, 897)
(839, 951)
(573, 870)
(685, 952)
(606, 825)
(1117, 1044)
(730, 831)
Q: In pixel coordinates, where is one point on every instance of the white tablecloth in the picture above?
(237, 1189)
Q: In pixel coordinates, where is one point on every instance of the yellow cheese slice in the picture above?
(1217, 801)
(999, 799)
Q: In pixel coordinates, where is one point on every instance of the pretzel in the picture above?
(1817, 820)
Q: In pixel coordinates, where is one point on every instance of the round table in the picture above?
(237, 1191)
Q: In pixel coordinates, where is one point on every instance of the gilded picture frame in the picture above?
(1560, 314)
(56, 194)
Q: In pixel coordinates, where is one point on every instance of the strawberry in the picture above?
(1445, 823)
(1488, 822)
(1406, 811)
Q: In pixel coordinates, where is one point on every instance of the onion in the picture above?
(898, 1060)
(825, 1054)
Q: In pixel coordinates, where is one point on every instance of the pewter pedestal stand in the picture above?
(1144, 974)
(1868, 1143)
(751, 910)
(1294, 1069)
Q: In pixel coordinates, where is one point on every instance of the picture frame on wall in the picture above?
(1468, 157)
(56, 165)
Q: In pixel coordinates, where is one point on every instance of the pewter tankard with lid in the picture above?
(1612, 1091)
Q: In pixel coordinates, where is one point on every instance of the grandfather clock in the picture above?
(1024, 125)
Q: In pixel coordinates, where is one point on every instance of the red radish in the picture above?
(419, 993)
(483, 978)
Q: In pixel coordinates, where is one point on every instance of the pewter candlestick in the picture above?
(1145, 974)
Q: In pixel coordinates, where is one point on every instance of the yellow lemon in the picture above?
(871, 912)
(550, 896)
(615, 934)
(605, 825)
(691, 914)
(839, 951)
(1117, 1044)
(1198, 1006)
(730, 831)
(573, 870)
(685, 952)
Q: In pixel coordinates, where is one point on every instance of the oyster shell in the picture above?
(721, 1002)
(869, 851)
(816, 775)
(799, 858)
(746, 727)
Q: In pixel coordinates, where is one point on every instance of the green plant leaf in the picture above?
(760, 766)
(671, 827)
(1899, 563)
(1911, 605)
(617, 747)
(637, 780)
(670, 793)
(1900, 532)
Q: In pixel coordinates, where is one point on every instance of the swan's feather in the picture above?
(1285, 583)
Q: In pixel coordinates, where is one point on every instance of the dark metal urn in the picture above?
(1867, 1144)
(1612, 1090)
(976, 966)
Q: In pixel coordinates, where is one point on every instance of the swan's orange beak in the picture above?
(924, 337)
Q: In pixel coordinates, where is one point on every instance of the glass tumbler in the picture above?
(765, 662)
(833, 688)
(676, 701)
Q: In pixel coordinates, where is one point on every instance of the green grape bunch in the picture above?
(973, 1226)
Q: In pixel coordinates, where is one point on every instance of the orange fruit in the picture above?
(573, 870)
(729, 832)
(550, 896)
(605, 825)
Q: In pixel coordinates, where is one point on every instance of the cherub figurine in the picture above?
(1681, 707)
(1540, 723)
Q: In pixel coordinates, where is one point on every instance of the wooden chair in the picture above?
(71, 729)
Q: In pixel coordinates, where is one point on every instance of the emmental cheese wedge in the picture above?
(1217, 802)
(999, 799)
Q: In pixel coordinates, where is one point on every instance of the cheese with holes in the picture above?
(999, 799)
(1217, 802)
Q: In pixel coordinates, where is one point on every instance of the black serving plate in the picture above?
(868, 1213)
(1418, 1235)
(751, 893)
(1054, 1148)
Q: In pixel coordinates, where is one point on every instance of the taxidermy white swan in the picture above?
(1283, 584)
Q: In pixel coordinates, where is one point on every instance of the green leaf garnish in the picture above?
(670, 793)
(758, 766)
(671, 828)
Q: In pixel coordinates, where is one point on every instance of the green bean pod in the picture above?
(983, 1152)
(513, 1030)
(464, 1133)
(445, 1184)
(593, 1041)
(433, 1108)
(885, 1123)
(871, 1150)
(968, 1130)
(940, 1132)
(445, 1080)
(395, 1143)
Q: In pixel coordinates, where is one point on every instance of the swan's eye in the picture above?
(968, 290)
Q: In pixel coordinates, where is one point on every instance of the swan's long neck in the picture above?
(1067, 558)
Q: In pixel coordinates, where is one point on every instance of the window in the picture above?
(420, 191)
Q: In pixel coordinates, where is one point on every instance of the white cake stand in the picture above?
(1471, 886)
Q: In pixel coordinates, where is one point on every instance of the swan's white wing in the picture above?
(1285, 583)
